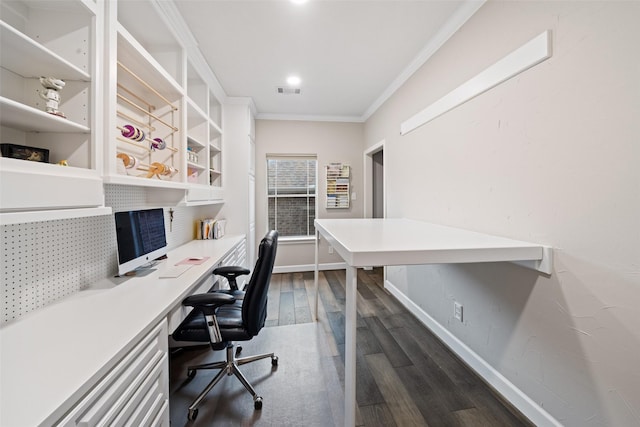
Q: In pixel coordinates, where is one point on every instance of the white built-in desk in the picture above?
(56, 359)
(376, 242)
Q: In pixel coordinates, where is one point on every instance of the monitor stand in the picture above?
(141, 271)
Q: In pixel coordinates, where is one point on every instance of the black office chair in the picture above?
(217, 318)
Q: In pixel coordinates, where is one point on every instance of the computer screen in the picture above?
(141, 238)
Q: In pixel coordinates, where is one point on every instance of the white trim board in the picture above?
(526, 56)
(529, 408)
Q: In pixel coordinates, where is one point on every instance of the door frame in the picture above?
(368, 181)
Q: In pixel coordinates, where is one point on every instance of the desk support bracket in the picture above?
(544, 265)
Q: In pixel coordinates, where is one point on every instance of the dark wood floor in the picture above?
(405, 375)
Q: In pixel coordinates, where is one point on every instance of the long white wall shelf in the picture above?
(532, 53)
(7, 218)
(146, 182)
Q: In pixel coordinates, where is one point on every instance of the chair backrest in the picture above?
(254, 305)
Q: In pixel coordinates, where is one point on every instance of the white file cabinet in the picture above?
(134, 393)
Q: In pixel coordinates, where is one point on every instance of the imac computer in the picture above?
(141, 238)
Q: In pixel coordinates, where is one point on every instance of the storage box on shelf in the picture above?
(48, 101)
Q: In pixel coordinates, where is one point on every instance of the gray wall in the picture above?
(550, 156)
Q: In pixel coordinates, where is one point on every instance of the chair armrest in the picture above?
(230, 272)
(208, 302)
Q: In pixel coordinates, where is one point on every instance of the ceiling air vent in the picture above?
(284, 90)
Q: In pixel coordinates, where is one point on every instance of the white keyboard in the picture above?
(174, 271)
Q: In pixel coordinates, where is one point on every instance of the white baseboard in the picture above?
(308, 267)
(530, 409)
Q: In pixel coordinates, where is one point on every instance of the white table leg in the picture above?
(351, 292)
(315, 274)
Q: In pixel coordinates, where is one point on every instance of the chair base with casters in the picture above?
(221, 318)
(228, 367)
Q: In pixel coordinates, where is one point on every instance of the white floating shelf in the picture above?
(528, 55)
(19, 116)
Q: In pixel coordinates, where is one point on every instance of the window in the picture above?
(291, 190)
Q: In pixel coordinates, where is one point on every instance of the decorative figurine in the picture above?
(51, 95)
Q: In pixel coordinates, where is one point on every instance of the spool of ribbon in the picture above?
(133, 133)
(130, 162)
(157, 169)
(158, 144)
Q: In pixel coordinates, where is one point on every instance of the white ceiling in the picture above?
(350, 55)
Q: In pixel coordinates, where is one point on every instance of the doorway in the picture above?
(374, 181)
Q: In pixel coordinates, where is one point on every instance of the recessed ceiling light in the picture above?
(293, 80)
(298, 1)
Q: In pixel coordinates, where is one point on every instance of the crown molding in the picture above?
(309, 118)
(465, 11)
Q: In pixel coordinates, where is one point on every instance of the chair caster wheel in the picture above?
(274, 360)
(191, 373)
(238, 350)
(258, 403)
(193, 414)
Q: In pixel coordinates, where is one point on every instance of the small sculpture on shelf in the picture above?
(51, 96)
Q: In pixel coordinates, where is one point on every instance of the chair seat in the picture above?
(236, 293)
(229, 321)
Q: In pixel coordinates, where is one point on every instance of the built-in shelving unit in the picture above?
(204, 139)
(136, 108)
(176, 101)
(145, 121)
(51, 39)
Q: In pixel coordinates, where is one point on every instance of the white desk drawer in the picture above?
(148, 399)
(117, 394)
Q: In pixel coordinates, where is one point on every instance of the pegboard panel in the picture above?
(43, 262)
(179, 231)
(125, 197)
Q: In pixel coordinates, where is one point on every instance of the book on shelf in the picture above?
(208, 229)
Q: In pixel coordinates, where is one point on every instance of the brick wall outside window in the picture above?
(291, 195)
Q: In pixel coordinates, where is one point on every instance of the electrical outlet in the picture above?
(457, 311)
(330, 249)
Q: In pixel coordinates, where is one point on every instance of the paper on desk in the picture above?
(193, 261)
